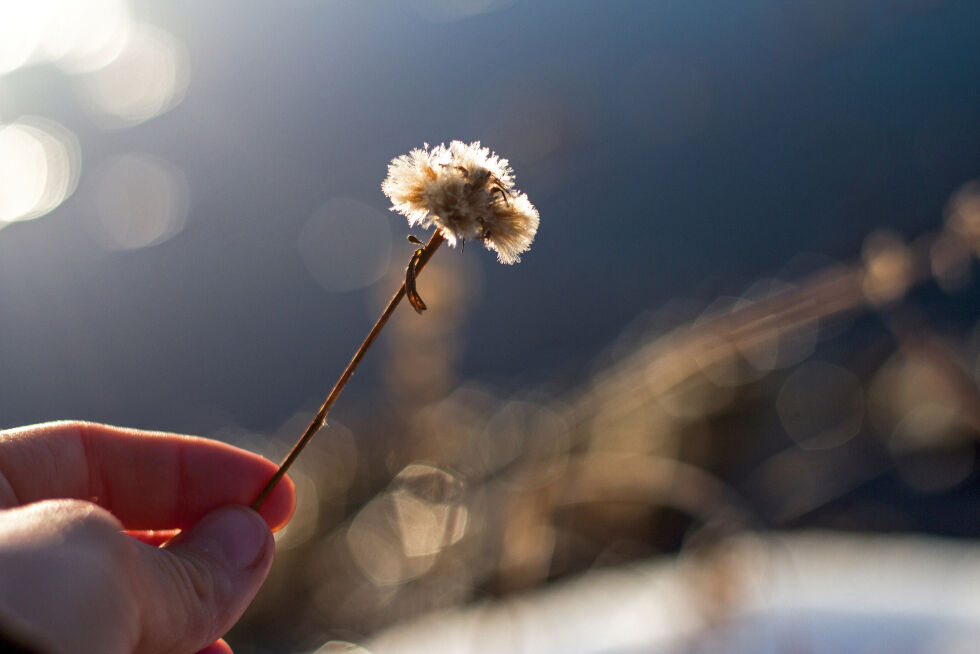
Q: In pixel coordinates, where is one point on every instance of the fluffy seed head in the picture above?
(467, 192)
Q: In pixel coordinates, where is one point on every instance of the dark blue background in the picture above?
(689, 148)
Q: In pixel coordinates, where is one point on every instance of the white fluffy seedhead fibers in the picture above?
(467, 192)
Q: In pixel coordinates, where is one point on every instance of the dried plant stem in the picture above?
(321, 416)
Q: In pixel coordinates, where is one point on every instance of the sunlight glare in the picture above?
(74, 35)
(85, 36)
(39, 165)
(21, 27)
(148, 78)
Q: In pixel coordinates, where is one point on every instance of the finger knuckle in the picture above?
(89, 518)
(85, 541)
(87, 523)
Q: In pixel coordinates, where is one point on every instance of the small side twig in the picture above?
(318, 421)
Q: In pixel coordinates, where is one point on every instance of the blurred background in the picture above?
(729, 396)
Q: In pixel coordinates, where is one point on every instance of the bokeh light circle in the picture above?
(140, 200)
(40, 162)
(821, 405)
(346, 245)
(147, 78)
(76, 36)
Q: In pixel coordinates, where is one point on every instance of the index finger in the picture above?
(149, 480)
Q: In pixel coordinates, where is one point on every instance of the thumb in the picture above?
(199, 584)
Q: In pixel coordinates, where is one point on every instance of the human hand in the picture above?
(71, 580)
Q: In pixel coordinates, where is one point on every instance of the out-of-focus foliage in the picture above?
(698, 424)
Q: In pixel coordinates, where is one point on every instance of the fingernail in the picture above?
(234, 534)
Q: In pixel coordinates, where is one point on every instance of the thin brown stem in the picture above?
(321, 415)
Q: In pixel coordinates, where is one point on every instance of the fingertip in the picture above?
(154, 537)
(280, 505)
(217, 647)
(149, 480)
(199, 584)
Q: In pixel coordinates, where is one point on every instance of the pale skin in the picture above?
(87, 558)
